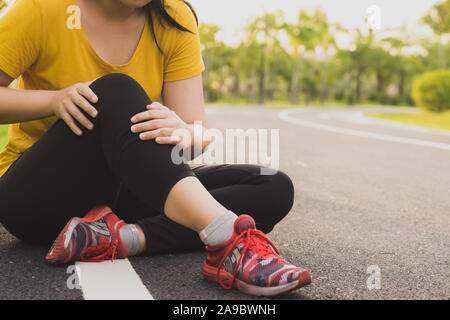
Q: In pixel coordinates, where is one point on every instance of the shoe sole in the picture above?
(210, 273)
(58, 253)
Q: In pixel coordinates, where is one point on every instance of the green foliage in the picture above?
(301, 63)
(3, 5)
(432, 90)
(439, 18)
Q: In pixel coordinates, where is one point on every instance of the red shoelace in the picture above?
(102, 252)
(254, 239)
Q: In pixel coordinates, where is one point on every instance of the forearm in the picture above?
(24, 105)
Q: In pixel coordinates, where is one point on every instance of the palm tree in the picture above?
(262, 37)
(310, 32)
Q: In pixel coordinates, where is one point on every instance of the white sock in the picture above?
(220, 230)
(129, 235)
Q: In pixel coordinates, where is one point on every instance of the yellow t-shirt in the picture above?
(40, 41)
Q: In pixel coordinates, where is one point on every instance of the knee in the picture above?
(281, 190)
(121, 91)
(114, 81)
(283, 183)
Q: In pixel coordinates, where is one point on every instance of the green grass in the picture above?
(426, 119)
(3, 135)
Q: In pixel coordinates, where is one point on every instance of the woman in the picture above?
(86, 137)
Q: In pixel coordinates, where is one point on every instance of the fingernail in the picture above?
(133, 128)
(133, 119)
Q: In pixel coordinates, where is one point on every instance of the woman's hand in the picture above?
(162, 124)
(66, 104)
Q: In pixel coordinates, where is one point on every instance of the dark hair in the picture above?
(158, 8)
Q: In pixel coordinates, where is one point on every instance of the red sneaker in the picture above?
(250, 262)
(94, 238)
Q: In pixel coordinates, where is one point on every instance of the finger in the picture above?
(153, 125)
(76, 113)
(150, 114)
(81, 102)
(149, 135)
(71, 123)
(168, 140)
(157, 106)
(90, 82)
(87, 92)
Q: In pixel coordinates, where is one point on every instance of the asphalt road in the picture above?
(370, 195)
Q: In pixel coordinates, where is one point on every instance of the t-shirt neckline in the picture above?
(105, 63)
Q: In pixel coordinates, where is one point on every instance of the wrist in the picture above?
(50, 101)
(198, 137)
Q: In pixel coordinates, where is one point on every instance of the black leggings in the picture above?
(63, 175)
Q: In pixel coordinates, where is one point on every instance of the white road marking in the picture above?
(111, 281)
(285, 115)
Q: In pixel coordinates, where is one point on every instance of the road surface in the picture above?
(371, 218)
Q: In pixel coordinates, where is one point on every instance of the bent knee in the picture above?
(119, 93)
(281, 199)
(284, 189)
(113, 80)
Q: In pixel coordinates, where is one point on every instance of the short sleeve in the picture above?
(183, 56)
(20, 37)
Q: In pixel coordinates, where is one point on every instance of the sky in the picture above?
(232, 15)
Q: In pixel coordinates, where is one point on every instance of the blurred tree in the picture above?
(262, 39)
(309, 33)
(405, 65)
(382, 63)
(2, 4)
(360, 56)
(432, 90)
(277, 60)
(439, 18)
(438, 55)
(211, 56)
